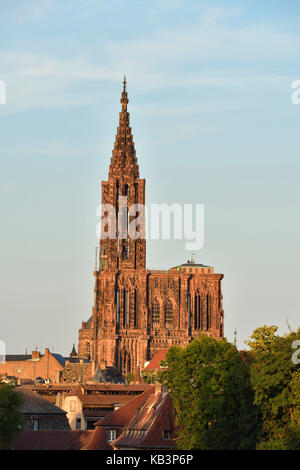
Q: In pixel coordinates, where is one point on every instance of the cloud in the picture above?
(22, 11)
(208, 53)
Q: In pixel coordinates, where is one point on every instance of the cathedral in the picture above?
(138, 311)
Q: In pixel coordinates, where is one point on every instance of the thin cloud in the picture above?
(198, 55)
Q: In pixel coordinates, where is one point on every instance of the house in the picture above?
(47, 366)
(146, 422)
(85, 405)
(39, 413)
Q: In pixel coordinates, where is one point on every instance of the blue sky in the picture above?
(210, 100)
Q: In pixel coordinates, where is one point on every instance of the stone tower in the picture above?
(137, 311)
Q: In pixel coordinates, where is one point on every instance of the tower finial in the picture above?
(124, 97)
(235, 337)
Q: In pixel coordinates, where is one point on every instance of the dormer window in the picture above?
(111, 435)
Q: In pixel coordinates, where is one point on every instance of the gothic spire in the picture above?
(123, 155)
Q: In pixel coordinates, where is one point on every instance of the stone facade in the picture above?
(137, 312)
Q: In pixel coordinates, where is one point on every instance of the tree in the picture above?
(129, 377)
(276, 383)
(262, 338)
(10, 414)
(210, 387)
(149, 377)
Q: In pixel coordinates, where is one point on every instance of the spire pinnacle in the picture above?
(124, 98)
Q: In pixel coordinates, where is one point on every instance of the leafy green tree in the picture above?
(149, 377)
(212, 397)
(129, 377)
(276, 383)
(10, 414)
(262, 338)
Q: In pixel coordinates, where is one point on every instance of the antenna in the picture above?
(288, 325)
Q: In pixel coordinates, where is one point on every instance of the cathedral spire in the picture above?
(123, 155)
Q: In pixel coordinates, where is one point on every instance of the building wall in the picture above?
(164, 309)
(46, 367)
(73, 406)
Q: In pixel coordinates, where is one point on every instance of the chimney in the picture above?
(35, 354)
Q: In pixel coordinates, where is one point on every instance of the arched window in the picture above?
(208, 311)
(117, 306)
(125, 308)
(126, 190)
(88, 350)
(155, 311)
(168, 308)
(198, 311)
(135, 310)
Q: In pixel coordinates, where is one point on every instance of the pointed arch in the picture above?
(155, 311)
(168, 312)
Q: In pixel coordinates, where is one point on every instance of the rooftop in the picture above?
(35, 404)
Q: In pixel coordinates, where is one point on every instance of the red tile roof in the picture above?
(146, 428)
(105, 400)
(154, 364)
(98, 441)
(121, 416)
(52, 440)
(117, 387)
(139, 424)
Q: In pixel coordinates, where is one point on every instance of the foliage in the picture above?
(149, 377)
(262, 338)
(129, 377)
(276, 384)
(10, 414)
(210, 386)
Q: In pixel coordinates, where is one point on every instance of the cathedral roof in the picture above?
(191, 266)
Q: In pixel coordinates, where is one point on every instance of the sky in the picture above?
(209, 86)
